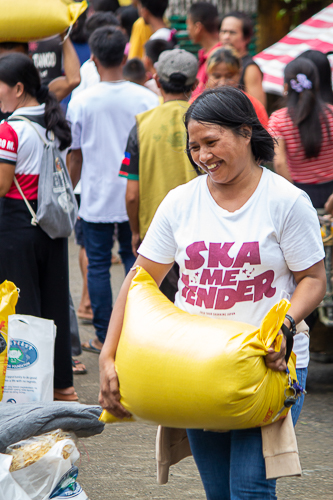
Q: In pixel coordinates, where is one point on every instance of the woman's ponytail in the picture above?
(305, 107)
(55, 120)
(42, 93)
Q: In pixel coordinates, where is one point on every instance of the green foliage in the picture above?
(296, 9)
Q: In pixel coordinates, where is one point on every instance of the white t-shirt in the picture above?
(236, 265)
(101, 118)
(161, 34)
(89, 77)
(21, 146)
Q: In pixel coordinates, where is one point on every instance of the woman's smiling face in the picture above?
(223, 154)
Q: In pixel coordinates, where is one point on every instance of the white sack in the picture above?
(29, 374)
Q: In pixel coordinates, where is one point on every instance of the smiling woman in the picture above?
(243, 237)
(227, 141)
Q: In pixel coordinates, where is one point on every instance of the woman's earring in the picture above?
(285, 92)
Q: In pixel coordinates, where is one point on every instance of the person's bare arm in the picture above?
(253, 83)
(329, 205)
(7, 172)
(132, 207)
(63, 85)
(280, 160)
(309, 292)
(109, 396)
(74, 164)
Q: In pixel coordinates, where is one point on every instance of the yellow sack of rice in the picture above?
(8, 301)
(181, 370)
(25, 20)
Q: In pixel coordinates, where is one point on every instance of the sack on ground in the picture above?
(24, 20)
(43, 466)
(29, 374)
(187, 371)
(8, 301)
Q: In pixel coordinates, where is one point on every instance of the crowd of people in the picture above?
(167, 192)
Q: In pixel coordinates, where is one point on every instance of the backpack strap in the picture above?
(25, 119)
(29, 207)
(31, 210)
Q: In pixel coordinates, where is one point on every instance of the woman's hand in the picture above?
(276, 360)
(109, 396)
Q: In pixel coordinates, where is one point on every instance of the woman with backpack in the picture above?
(36, 263)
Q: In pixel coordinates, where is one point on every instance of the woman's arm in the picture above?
(109, 396)
(253, 83)
(7, 171)
(280, 160)
(309, 292)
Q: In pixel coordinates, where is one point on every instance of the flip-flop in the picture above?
(91, 347)
(78, 367)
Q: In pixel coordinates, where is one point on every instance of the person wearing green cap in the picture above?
(149, 179)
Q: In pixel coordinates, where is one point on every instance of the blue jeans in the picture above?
(231, 464)
(98, 242)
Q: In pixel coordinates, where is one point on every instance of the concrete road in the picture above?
(119, 464)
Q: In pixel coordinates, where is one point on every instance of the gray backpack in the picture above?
(57, 207)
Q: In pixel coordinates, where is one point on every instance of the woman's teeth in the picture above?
(210, 167)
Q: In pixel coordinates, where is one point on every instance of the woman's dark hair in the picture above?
(127, 17)
(108, 45)
(230, 108)
(176, 84)
(324, 71)
(15, 68)
(305, 106)
(227, 55)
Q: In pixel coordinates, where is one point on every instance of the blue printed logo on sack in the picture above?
(67, 487)
(22, 354)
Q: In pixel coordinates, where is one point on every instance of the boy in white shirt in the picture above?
(101, 118)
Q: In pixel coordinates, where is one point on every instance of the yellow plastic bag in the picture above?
(25, 20)
(187, 371)
(8, 301)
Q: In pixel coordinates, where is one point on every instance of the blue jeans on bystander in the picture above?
(98, 242)
(231, 464)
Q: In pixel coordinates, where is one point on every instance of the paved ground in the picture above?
(119, 463)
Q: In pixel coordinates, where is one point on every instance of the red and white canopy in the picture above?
(316, 33)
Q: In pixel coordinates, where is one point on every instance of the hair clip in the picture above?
(301, 83)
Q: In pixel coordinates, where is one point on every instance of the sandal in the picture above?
(78, 367)
(86, 318)
(90, 347)
(67, 394)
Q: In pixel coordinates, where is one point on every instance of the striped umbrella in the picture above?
(316, 33)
